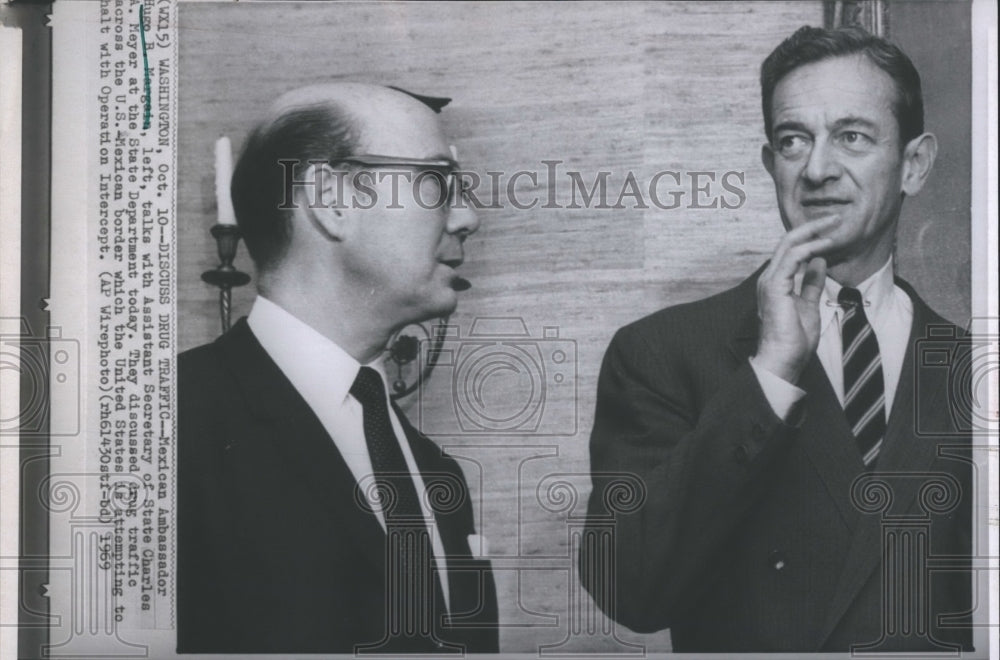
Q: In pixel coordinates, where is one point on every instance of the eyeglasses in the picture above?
(447, 170)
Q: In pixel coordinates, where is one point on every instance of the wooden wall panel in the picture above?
(936, 229)
(617, 87)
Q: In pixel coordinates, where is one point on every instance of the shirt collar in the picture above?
(875, 293)
(311, 361)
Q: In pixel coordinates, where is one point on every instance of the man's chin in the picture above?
(839, 232)
(443, 306)
(447, 310)
(819, 213)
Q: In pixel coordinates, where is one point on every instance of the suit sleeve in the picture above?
(673, 475)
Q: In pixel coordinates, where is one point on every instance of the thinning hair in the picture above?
(319, 132)
(812, 44)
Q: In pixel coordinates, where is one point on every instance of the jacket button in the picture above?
(741, 453)
(757, 430)
(776, 560)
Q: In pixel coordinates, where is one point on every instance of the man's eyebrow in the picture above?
(790, 126)
(855, 121)
(852, 120)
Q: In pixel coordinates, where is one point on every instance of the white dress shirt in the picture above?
(890, 313)
(322, 372)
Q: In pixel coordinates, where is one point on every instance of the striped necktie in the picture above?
(864, 389)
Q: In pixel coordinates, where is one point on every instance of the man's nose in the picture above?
(822, 164)
(462, 218)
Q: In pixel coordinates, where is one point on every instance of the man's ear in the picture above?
(323, 201)
(918, 160)
(767, 157)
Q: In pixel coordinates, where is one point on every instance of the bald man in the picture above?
(312, 516)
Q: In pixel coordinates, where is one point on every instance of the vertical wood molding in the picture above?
(872, 15)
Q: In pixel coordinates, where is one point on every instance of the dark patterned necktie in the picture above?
(414, 595)
(864, 389)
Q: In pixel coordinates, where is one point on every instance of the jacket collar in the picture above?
(282, 418)
(904, 464)
(825, 436)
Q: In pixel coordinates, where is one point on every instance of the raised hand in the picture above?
(789, 321)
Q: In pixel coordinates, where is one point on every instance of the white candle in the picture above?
(223, 176)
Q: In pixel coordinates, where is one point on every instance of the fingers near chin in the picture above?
(815, 271)
(814, 279)
(817, 228)
(813, 235)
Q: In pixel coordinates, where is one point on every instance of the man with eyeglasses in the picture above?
(313, 517)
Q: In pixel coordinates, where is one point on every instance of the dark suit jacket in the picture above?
(749, 538)
(274, 553)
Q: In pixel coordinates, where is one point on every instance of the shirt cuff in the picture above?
(780, 394)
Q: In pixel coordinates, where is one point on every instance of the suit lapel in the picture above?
(905, 451)
(430, 461)
(425, 452)
(464, 588)
(904, 457)
(824, 436)
(284, 419)
(828, 441)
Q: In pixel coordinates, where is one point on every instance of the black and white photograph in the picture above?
(523, 328)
